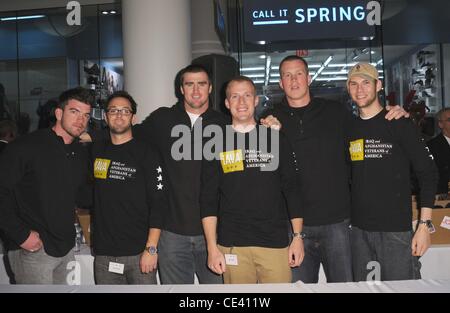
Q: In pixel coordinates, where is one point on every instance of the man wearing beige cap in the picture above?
(384, 245)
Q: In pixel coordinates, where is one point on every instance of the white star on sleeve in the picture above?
(159, 177)
(160, 186)
(159, 169)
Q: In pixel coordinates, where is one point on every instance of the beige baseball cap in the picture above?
(363, 69)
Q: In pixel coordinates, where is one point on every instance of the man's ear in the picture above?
(281, 84)
(133, 120)
(227, 104)
(210, 88)
(379, 85)
(58, 114)
(256, 101)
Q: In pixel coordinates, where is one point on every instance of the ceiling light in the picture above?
(26, 17)
(248, 69)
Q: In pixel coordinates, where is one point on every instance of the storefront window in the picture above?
(44, 56)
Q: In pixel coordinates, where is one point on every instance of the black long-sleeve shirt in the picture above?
(440, 149)
(129, 196)
(317, 135)
(40, 181)
(250, 202)
(183, 175)
(381, 153)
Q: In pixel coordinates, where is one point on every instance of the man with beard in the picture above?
(129, 194)
(43, 174)
(382, 154)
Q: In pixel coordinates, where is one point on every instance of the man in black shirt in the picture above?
(248, 201)
(42, 175)
(129, 199)
(440, 149)
(384, 246)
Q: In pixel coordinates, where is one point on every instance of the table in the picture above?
(422, 286)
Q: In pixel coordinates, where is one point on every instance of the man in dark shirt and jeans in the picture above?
(42, 175)
(315, 129)
(384, 246)
(129, 198)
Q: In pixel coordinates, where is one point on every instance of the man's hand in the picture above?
(33, 242)
(271, 122)
(216, 261)
(296, 252)
(148, 262)
(421, 241)
(395, 112)
(85, 137)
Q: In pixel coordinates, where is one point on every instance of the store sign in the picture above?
(267, 20)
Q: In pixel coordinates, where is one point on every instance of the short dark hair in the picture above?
(194, 68)
(241, 79)
(293, 58)
(440, 114)
(122, 94)
(7, 129)
(79, 93)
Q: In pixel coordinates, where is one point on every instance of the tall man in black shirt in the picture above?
(315, 129)
(248, 201)
(129, 199)
(381, 153)
(41, 176)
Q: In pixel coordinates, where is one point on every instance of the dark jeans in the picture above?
(329, 245)
(180, 257)
(132, 274)
(392, 251)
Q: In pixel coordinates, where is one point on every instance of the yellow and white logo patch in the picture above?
(101, 167)
(357, 150)
(232, 161)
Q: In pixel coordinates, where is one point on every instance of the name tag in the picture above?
(116, 267)
(231, 259)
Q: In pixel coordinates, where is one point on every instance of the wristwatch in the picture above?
(301, 235)
(429, 224)
(152, 250)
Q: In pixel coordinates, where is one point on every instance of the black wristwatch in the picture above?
(429, 224)
(301, 235)
(152, 250)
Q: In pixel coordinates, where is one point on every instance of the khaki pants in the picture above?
(257, 265)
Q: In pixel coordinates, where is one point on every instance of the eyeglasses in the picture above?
(123, 111)
(446, 120)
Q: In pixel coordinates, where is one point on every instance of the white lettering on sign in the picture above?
(372, 13)
(334, 14)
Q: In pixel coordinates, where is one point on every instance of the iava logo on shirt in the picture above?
(101, 167)
(357, 150)
(232, 161)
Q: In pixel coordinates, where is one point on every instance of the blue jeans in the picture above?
(180, 257)
(392, 251)
(132, 274)
(329, 245)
